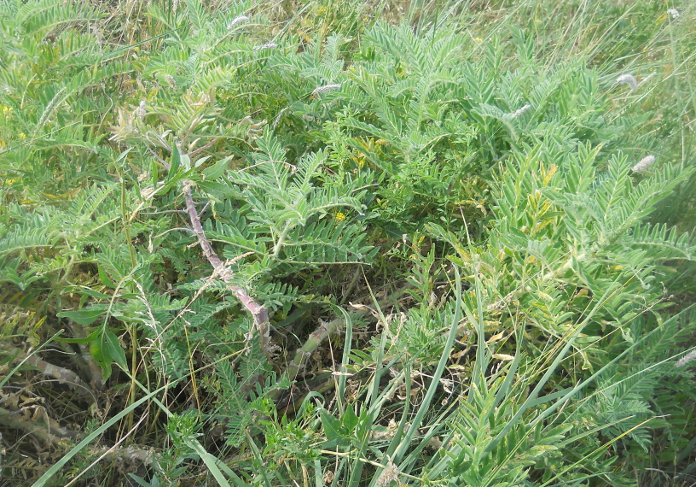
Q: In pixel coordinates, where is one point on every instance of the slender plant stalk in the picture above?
(258, 312)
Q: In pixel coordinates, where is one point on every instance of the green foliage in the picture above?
(290, 213)
(456, 191)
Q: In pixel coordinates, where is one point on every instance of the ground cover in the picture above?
(347, 243)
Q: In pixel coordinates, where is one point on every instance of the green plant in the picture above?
(285, 244)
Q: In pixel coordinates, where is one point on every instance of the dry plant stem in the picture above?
(85, 363)
(107, 452)
(81, 368)
(96, 379)
(258, 312)
(55, 435)
(313, 341)
(206, 146)
(63, 375)
(325, 330)
(130, 453)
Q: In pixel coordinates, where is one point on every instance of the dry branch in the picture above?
(258, 312)
(325, 329)
(53, 435)
(63, 375)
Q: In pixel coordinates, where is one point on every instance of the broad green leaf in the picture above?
(86, 316)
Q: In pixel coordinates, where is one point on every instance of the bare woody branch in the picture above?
(63, 375)
(258, 312)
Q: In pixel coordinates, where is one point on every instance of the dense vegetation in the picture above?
(343, 243)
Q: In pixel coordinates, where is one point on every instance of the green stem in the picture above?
(281, 240)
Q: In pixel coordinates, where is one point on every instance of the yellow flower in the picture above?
(22, 136)
(340, 216)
